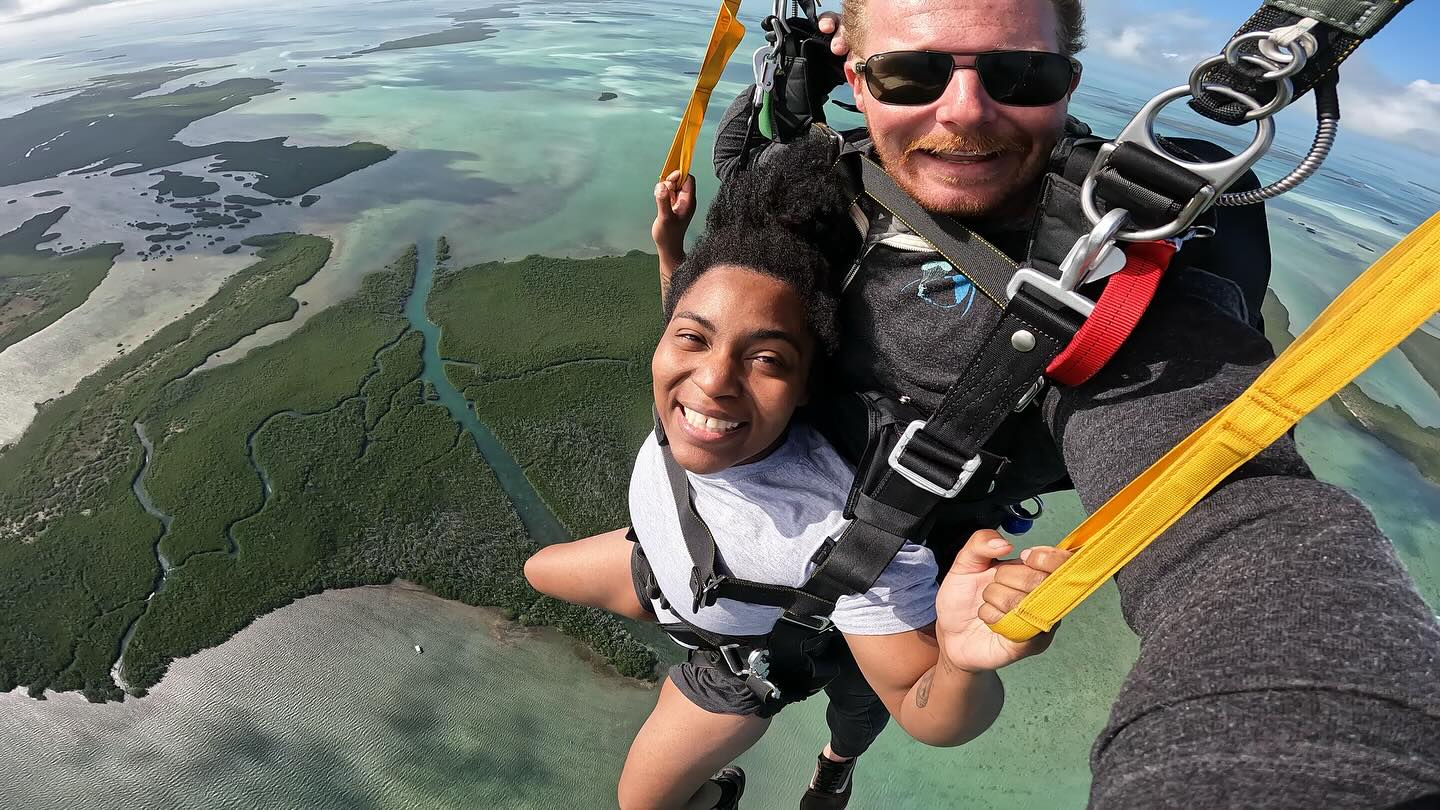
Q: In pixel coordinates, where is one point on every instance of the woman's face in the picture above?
(731, 368)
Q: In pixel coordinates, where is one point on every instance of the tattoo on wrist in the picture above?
(922, 689)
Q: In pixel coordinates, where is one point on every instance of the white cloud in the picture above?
(1125, 32)
(1394, 113)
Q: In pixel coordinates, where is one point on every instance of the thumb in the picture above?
(980, 552)
(662, 201)
(684, 204)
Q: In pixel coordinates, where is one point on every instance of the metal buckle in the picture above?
(819, 624)
(704, 592)
(1090, 253)
(731, 655)
(966, 472)
(1221, 174)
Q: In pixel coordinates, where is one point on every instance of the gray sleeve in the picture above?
(1286, 659)
(902, 599)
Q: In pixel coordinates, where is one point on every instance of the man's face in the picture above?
(963, 154)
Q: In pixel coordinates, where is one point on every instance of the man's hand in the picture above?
(674, 208)
(830, 24)
(978, 590)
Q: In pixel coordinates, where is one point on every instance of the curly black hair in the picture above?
(789, 220)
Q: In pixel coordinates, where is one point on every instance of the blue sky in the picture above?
(1390, 87)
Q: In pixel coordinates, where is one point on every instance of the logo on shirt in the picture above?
(940, 285)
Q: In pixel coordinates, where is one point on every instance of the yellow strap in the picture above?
(724, 38)
(1384, 305)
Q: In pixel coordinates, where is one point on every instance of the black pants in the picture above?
(855, 714)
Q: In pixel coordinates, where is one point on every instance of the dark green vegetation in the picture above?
(312, 463)
(1423, 352)
(1391, 425)
(37, 287)
(107, 124)
(555, 354)
(76, 551)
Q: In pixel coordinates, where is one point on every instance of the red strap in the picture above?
(1124, 300)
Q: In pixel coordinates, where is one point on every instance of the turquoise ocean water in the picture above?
(504, 146)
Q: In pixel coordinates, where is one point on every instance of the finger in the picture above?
(980, 552)
(1020, 577)
(1003, 597)
(829, 21)
(662, 202)
(673, 178)
(1045, 558)
(838, 45)
(684, 203)
(990, 614)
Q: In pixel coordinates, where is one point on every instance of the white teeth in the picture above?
(708, 423)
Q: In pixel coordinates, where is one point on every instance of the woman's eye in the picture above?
(770, 360)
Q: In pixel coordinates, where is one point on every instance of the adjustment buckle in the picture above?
(966, 472)
(817, 623)
(704, 592)
(1092, 257)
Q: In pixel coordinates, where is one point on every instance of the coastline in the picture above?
(1395, 428)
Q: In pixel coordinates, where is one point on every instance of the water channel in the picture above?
(534, 514)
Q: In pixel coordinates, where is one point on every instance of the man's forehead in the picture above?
(960, 25)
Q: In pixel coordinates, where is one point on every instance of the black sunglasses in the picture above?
(1016, 78)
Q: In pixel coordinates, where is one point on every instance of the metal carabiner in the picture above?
(1220, 174)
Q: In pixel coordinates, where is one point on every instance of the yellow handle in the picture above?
(724, 38)
(1377, 311)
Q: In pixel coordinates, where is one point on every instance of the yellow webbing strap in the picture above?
(724, 38)
(1384, 305)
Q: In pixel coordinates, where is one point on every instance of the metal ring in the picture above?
(1141, 130)
(1284, 88)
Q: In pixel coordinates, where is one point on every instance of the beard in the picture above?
(991, 201)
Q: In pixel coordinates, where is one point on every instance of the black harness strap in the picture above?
(981, 262)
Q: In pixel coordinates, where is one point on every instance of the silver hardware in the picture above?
(905, 400)
(817, 623)
(1220, 174)
(1088, 250)
(1325, 131)
(966, 472)
(1030, 394)
(1022, 340)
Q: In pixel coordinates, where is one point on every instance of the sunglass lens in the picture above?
(908, 77)
(1024, 78)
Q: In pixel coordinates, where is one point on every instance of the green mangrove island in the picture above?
(154, 511)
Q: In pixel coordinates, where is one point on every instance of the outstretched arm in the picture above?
(939, 682)
(1285, 656)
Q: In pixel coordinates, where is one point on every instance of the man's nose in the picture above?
(965, 103)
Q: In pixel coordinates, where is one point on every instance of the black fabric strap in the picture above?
(1344, 24)
(981, 262)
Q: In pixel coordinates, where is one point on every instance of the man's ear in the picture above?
(856, 81)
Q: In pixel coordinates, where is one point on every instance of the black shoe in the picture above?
(732, 785)
(830, 786)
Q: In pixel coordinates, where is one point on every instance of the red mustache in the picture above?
(977, 142)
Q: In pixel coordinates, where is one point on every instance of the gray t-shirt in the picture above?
(769, 518)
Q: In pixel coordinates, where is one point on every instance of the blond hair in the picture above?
(1070, 32)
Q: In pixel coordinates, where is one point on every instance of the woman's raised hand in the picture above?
(674, 208)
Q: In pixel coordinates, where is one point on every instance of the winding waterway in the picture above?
(117, 671)
(537, 517)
